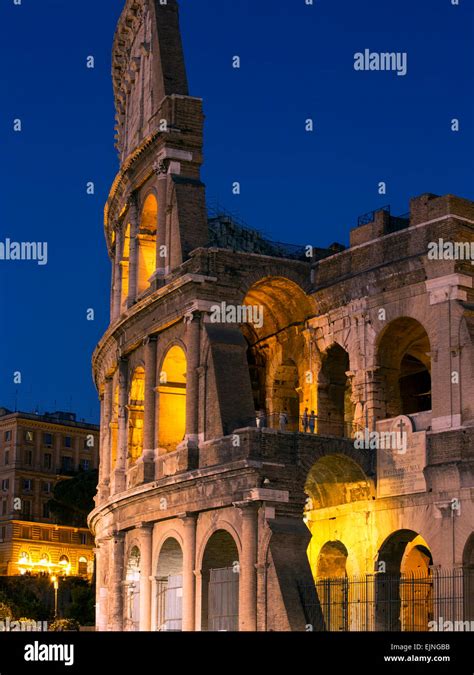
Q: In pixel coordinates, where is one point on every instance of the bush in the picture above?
(6, 611)
(65, 625)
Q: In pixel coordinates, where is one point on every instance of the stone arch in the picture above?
(147, 233)
(220, 573)
(172, 398)
(403, 358)
(278, 311)
(335, 410)
(336, 479)
(136, 412)
(332, 586)
(332, 560)
(169, 585)
(403, 585)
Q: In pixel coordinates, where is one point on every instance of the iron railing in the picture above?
(442, 600)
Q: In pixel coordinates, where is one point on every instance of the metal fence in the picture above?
(443, 600)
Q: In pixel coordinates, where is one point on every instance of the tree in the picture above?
(73, 499)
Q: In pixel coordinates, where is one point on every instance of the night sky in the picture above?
(297, 62)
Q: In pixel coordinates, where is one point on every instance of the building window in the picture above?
(46, 512)
(5, 484)
(65, 536)
(26, 532)
(7, 457)
(67, 442)
(47, 487)
(28, 457)
(3, 533)
(4, 507)
(8, 436)
(26, 510)
(27, 485)
(29, 437)
(82, 565)
(66, 463)
(84, 538)
(48, 440)
(85, 464)
(46, 535)
(47, 460)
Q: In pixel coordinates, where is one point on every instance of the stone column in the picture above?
(189, 581)
(193, 345)
(122, 442)
(117, 551)
(101, 560)
(248, 567)
(162, 262)
(149, 444)
(117, 275)
(105, 444)
(133, 259)
(146, 539)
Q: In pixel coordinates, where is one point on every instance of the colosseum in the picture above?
(286, 432)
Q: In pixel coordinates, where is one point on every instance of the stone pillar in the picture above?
(146, 539)
(189, 581)
(117, 551)
(149, 444)
(117, 275)
(122, 442)
(248, 567)
(101, 560)
(105, 444)
(193, 344)
(162, 262)
(133, 259)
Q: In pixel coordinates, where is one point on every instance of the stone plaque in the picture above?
(264, 495)
(400, 467)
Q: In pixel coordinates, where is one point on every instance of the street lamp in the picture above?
(55, 581)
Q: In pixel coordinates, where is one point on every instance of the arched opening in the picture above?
(169, 587)
(172, 406)
(332, 586)
(136, 411)
(468, 578)
(335, 406)
(124, 268)
(277, 309)
(405, 364)
(132, 591)
(147, 243)
(403, 583)
(285, 397)
(82, 566)
(333, 482)
(220, 584)
(65, 565)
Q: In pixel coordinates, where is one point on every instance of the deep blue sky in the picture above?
(297, 62)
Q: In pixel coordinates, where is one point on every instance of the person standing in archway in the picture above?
(283, 420)
(312, 422)
(305, 421)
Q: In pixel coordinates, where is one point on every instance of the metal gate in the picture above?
(170, 603)
(223, 600)
(390, 602)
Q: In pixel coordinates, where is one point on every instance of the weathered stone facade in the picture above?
(208, 459)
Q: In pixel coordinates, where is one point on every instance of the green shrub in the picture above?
(64, 625)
